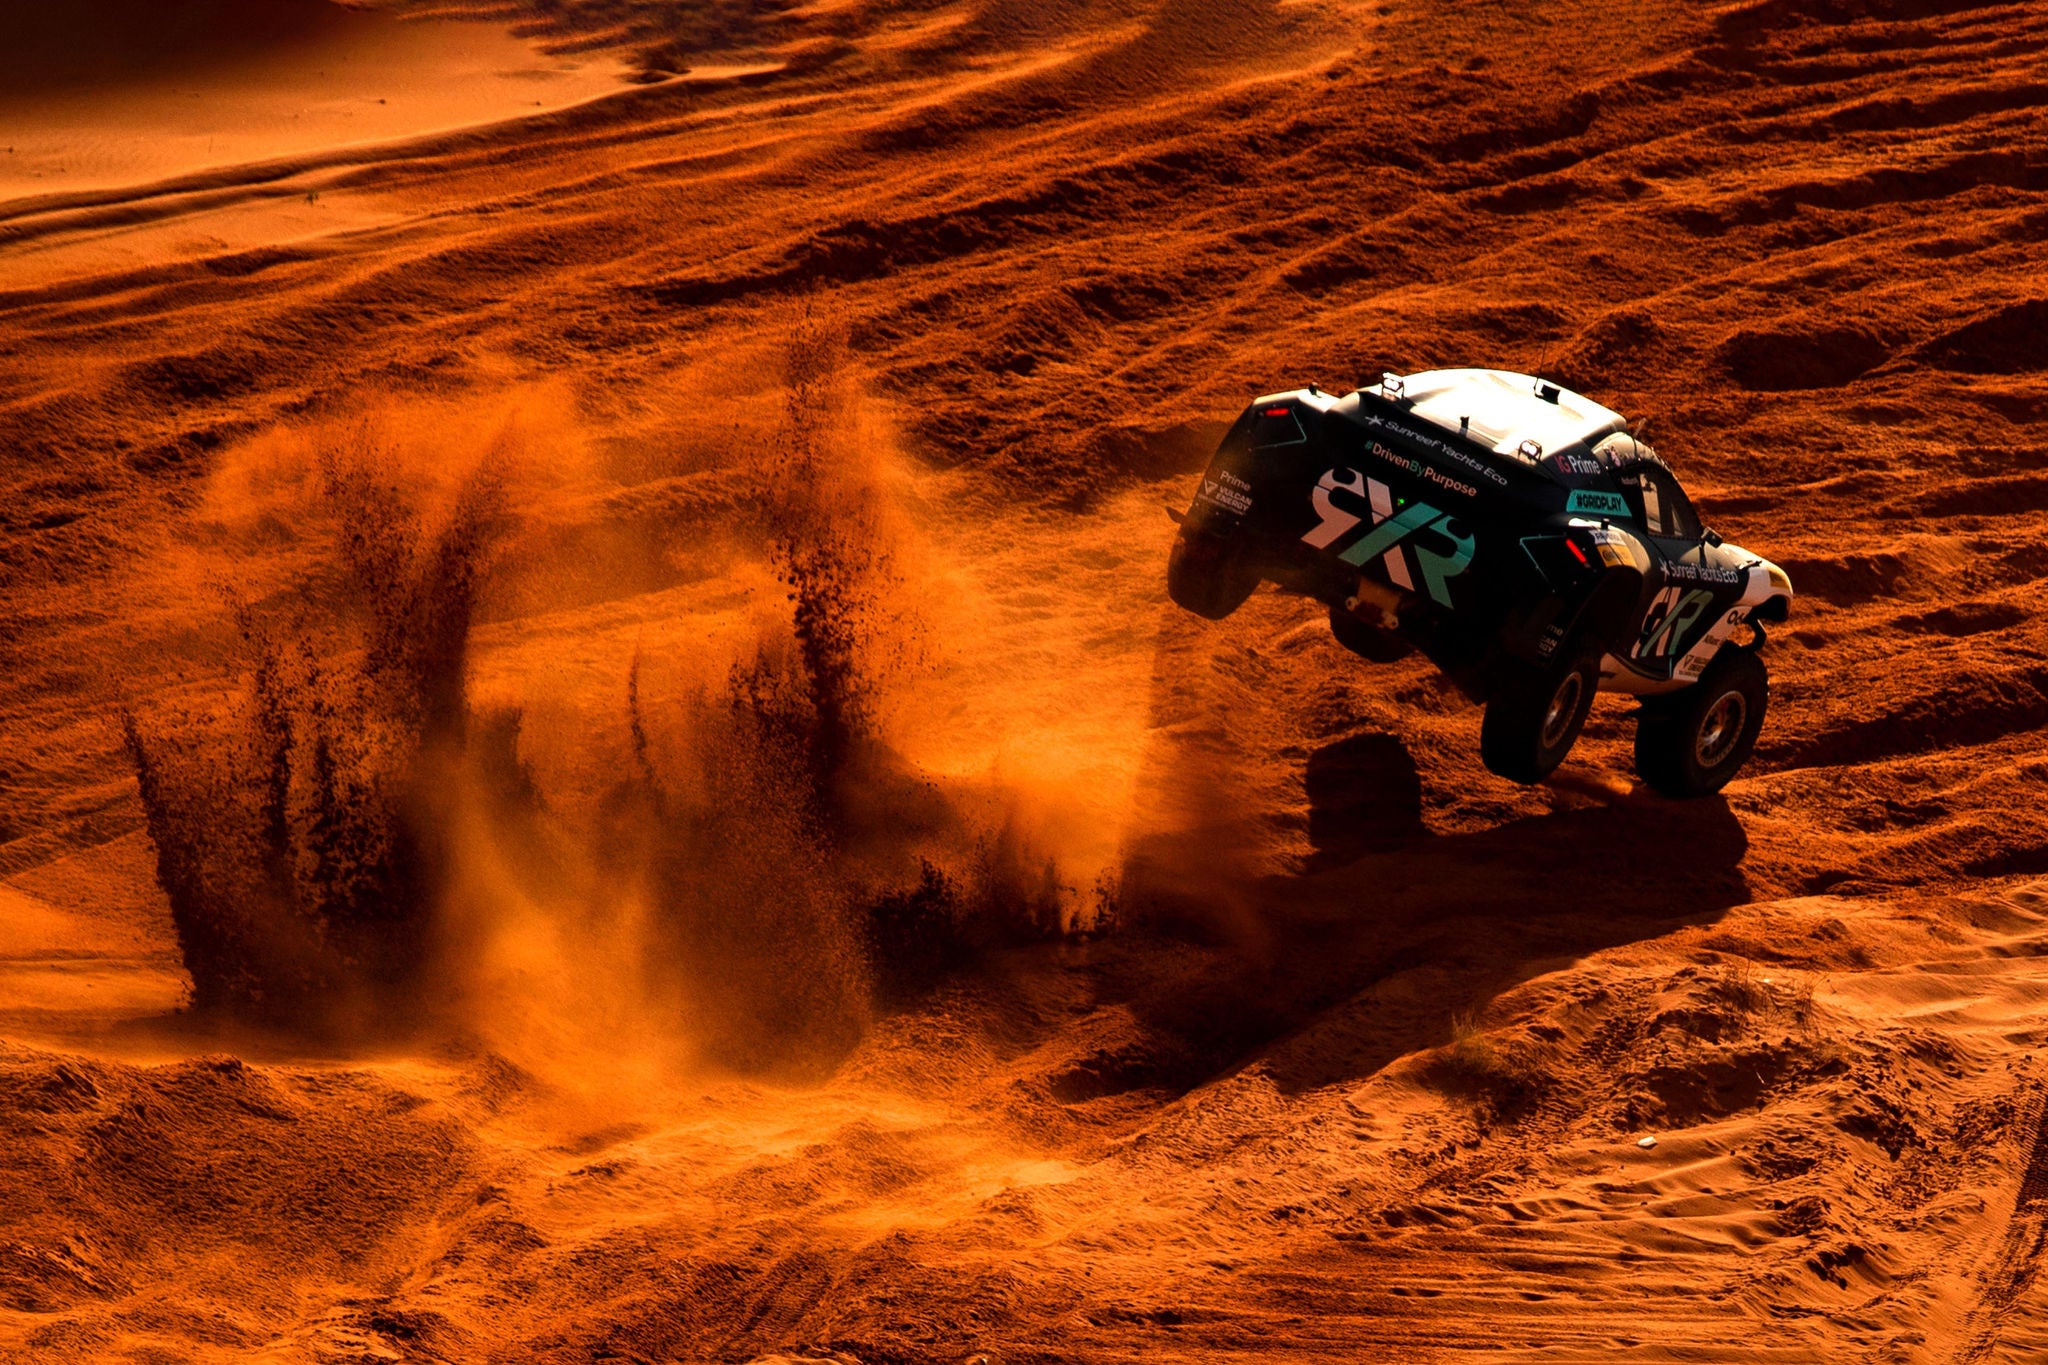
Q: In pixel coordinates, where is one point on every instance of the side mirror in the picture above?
(1713, 538)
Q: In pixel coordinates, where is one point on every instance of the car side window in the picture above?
(1667, 511)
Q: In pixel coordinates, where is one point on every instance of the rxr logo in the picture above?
(1390, 529)
(1672, 615)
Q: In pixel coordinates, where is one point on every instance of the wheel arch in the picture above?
(1776, 609)
(1605, 612)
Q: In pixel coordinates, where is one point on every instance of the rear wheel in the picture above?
(1691, 743)
(1534, 714)
(1211, 576)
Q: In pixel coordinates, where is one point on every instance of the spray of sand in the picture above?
(734, 848)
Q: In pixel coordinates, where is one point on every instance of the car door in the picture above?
(1692, 590)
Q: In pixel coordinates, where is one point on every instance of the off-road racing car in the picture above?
(1519, 536)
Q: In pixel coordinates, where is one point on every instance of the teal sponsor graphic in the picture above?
(1437, 569)
(1671, 617)
(1390, 533)
(1394, 520)
(1599, 504)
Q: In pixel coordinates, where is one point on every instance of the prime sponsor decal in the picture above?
(1386, 529)
(1226, 491)
(1582, 465)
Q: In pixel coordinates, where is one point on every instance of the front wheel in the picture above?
(1209, 575)
(1534, 714)
(1691, 743)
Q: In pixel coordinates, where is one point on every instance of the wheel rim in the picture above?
(1720, 729)
(1564, 706)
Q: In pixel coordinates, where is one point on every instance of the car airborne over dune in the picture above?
(1520, 537)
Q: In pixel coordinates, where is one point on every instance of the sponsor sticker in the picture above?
(1220, 493)
(1680, 572)
(1441, 447)
(1617, 548)
(1576, 464)
(1598, 503)
(1427, 473)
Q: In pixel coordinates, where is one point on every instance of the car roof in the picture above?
(1504, 409)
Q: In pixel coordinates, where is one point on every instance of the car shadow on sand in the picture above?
(1291, 970)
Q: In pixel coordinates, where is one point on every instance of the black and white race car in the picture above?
(1520, 537)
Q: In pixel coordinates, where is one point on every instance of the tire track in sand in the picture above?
(2018, 1262)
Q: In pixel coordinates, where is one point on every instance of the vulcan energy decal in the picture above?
(1223, 495)
(1599, 504)
(1386, 539)
(1672, 615)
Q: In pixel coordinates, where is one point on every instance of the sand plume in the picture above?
(357, 842)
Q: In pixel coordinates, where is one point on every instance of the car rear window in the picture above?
(1277, 426)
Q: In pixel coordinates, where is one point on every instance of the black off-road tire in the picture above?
(1366, 640)
(1691, 743)
(1210, 576)
(1534, 714)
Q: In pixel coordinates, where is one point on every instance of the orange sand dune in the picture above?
(1285, 1030)
(102, 95)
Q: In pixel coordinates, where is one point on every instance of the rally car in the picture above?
(1520, 537)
